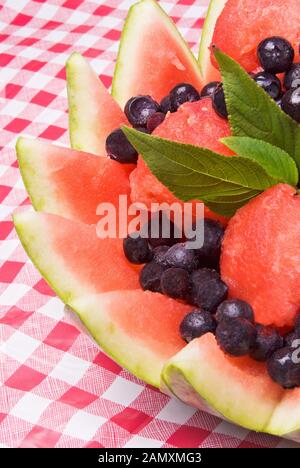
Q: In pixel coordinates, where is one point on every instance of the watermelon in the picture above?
(237, 389)
(240, 25)
(139, 329)
(140, 71)
(208, 71)
(72, 258)
(93, 113)
(195, 123)
(70, 183)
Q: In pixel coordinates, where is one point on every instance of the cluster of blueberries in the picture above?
(276, 55)
(172, 268)
(145, 114)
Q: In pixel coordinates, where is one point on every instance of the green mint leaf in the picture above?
(277, 163)
(194, 173)
(253, 113)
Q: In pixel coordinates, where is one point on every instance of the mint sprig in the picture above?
(276, 162)
(266, 142)
(253, 113)
(190, 172)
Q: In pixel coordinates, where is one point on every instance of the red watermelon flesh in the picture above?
(72, 258)
(70, 183)
(243, 24)
(196, 123)
(261, 255)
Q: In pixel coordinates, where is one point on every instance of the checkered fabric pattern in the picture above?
(57, 389)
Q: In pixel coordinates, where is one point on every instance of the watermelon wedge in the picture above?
(68, 182)
(208, 71)
(140, 71)
(93, 113)
(138, 329)
(238, 389)
(70, 256)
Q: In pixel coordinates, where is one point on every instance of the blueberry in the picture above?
(180, 256)
(267, 341)
(292, 77)
(219, 103)
(175, 282)
(159, 254)
(234, 308)
(291, 103)
(161, 230)
(292, 337)
(236, 336)
(150, 277)
(279, 100)
(164, 105)
(137, 250)
(139, 108)
(119, 148)
(275, 54)
(269, 83)
(195, 324)
(154, 121)
(209, 89)
(209, 253)
(283, 368)
(207, 289)
(182, 93)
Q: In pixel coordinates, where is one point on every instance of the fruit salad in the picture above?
(216, 324)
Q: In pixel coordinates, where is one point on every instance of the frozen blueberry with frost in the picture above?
(137, 250)
(159, 254)
(139, 108)
(197, 323)
(161, 230)
(119, 148)
(291, 339)
(175, 283)
(236, 336)
(275, 54)
(180, 256)
(284, 368)
(165, 105)
(209, 89)
(267, 341)
(291, 103)
(150, 277)
(207, 289)
(234, 308)
(269, 83)
(209, 253)
(218, 102)
(183, 92)
(292, 77)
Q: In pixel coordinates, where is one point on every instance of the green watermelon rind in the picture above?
(133, 20)
(141, 362)
(214, 10)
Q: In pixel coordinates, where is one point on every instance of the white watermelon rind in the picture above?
(132, 30)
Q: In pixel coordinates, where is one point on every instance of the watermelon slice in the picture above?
(240, 25)
(238, 389)
(93, 113)
(71, 257)
(68, 182)
(208, 71)
(140, 71)
(138, 329)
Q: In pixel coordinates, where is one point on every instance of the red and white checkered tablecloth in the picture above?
(57, 389)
